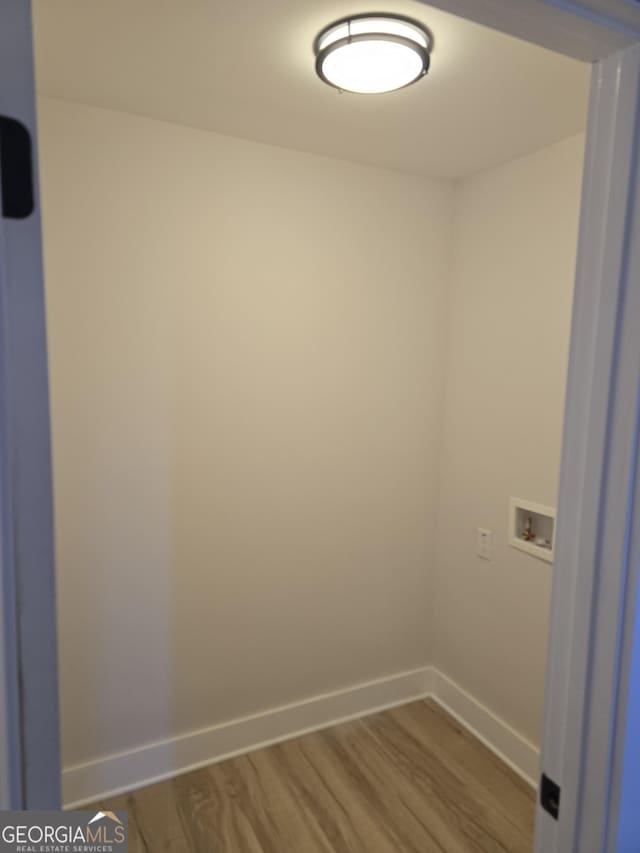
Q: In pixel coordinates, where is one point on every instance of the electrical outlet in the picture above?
(484, 544)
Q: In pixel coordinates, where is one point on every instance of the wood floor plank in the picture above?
(290, 796)
(409, 780)
(351, 821)
(432, 789)
(157, 819)
(472, 819)
(124, 803)
(377, 786)
(456, 745)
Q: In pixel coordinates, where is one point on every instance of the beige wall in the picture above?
(247, 362)
(514, 250)
(274, 375)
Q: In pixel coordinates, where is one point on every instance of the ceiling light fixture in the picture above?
(372, 53)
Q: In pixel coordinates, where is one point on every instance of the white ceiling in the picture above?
(245, 68)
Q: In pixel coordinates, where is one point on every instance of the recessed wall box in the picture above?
(532, 528)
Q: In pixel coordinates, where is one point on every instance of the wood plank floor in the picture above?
(409, 780)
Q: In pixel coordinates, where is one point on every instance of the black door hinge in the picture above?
(550, 796)
(16, 169)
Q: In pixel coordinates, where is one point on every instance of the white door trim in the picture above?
(589, 30)
(29, 669)
(10, 753)
(598, 450)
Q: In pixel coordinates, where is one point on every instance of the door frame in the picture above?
(591, 622)
(590, 625)
(29, 729)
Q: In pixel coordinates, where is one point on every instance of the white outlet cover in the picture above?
(484, 545)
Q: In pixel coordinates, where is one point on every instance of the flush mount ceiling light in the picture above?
(372, 53)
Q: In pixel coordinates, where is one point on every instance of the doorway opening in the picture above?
(172, 337)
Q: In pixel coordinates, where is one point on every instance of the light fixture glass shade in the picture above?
(372, 53)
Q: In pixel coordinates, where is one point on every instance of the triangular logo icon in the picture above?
(110, 815)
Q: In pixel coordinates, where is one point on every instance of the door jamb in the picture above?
(29, 668)
(598, 469)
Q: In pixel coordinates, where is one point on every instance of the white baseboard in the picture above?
(516, 751)
(125, 771)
